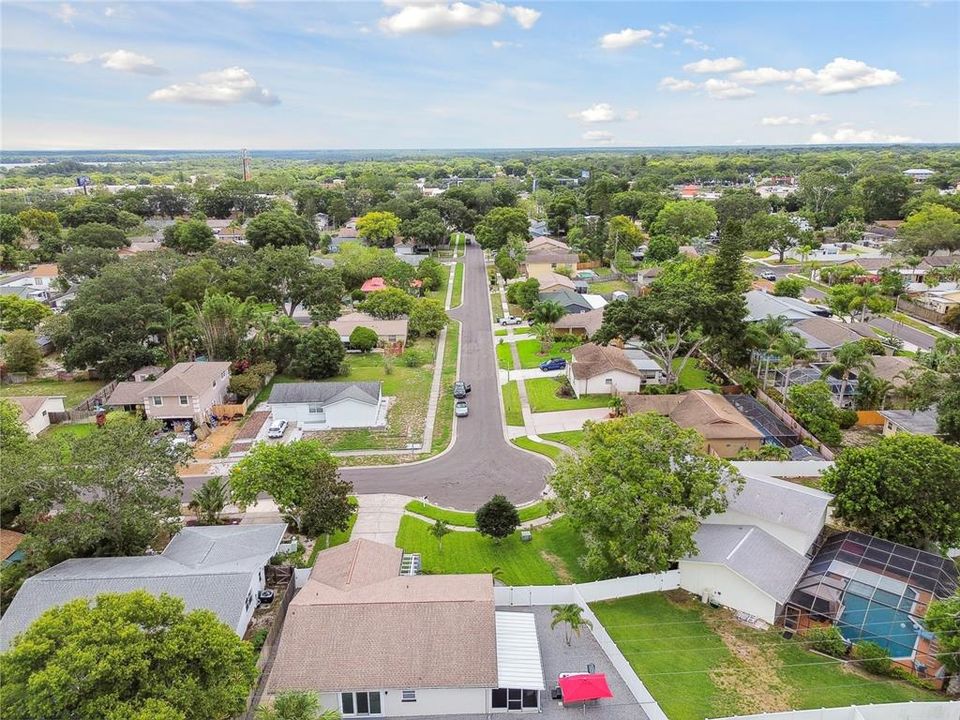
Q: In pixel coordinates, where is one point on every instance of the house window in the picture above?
(530, 699)
(183, 400)
(408, 696)
(249, 600)
(360, 703)
(513, 699)
(158, 401)
(315, 409)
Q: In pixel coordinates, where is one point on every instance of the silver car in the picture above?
(460, 409)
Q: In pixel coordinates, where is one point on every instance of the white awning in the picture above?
(518, 651)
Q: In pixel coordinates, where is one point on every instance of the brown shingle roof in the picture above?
(831, 332)
(591, 360)
(553, 258)
(358, 624)
(128, 393)
(9, 541)
(707, 413)
(29, 405)
(889, 368)
(941, 261)
(590, 321)
(187, 378)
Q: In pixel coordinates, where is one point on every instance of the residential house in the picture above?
(348, 233)
(35, 411)
(543, 262)
(127, 396)
(921, 422)
(725, 430)
(761, 305)
(34, 284)
(538, 228)
(135, 248)
(10, 551)
(652, 371)
(218, 568)
(326, 405)
(552, 282)
(583, 324)
(646, 277)
(187, 391)
(546, 244)
(147, 373)
(823, 336)
(607, 370)
(388, 332)
(940, 298)
(373, 285)
(373, 641)
(751, 556)
(570, 300)
(919, 175)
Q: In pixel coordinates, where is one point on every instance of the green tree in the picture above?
(431, 273)
(901, 488)
(83, 262)
(547, 312)
(189, 236)
(39, 222)
(497, 518)
(943, 620)
(789, 287)
(326, 507)
(295, 705)
(130, 655)
(318, 354)
(427, 318)
(931, 228)
(363, 339)
(812, 405)
(544, 334)
(222, 322)
(790, 348)
(21, 352)
(438, 530)
(209, 500)
(379, 228)
(571, 616)
(426, 228)
(12, 431)
(843, 299)
(662, 248)
(637, 488)
(98, 235)
(279, 228)
(295, 281)
(561, 209)
(848, 358)
(388, 304)
(526, 293)
(738, 205)
(685, 220)
(11, 230)
(506, 265)
(622, 234)
(493, 231)
(18, 313)
(777, 231)
(882, 195)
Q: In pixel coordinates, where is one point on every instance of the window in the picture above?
(530, 699)
(408, 696)
(315, 409)
(514, 699)
(249, 600)
(360, 703)
(184, 400)
(498, 698)
(158, 401)
(609, 381)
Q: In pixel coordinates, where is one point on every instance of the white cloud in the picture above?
(814, 119)
(696, 44)
(597, 113)
(598, 137)
(726, 90)
(126, 61)
(220, 87)
(716, 65)
(628, 37)
(848, 135)
(500, 44)
(667, 28)
(66, 13)
(840, 75)
(676, 85)
(413, 17)
(78, 58)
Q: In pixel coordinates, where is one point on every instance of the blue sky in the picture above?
(401, 74)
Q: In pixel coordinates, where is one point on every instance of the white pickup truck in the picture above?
(510, 320)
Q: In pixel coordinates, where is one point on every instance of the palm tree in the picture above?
(209, 499)
(871, 391)
(548, 311)
(296, 705)
(869, 295)
(438, 530)
(497, 572)
(572, 616)
(544, 334)
(849, 357)
(791, 349)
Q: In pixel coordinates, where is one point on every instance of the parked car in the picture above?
(460, 389)
(277, 429)
(553, 364)
(769, 275)
(460, 408)
(510, 320)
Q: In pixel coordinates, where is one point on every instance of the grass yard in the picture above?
(496, 306)
(549, 558)
(65, 431)
(456, 300)
(467, 519)
(504, 356)
(610, 286)
(681, 650)
(693, 377)
(502, 332)
(758, 254)
(554, 453)
(529, 352)
(568, 437)
(511, 403)
(541, 393)
(443, 424)
(75, 391)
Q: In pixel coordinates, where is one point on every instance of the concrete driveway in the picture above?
(378, 517)
(564, 420)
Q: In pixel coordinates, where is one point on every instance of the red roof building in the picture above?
(374, 284)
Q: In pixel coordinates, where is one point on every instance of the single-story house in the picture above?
(652, 371)
(388, 331)
(35, 411)
(40, 277)
(606, 370)
(552, 282)
(646, 276)
(725, 430)
(542, 262)
(761, 305)
(371, 640)
(348, 233)
(218, 568)
(921, 422)
(548, 244)
(10, 551)
(823, 336)
(918, 175)
(940, 298)
(583, 324)
(324, 405)
(570, 300)
(187, 391)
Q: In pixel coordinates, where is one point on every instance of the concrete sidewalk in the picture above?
(378, 517)
(563, 420)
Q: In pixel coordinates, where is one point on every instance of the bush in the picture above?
(412, 358)
(245, 384)
(827, 640)
(789, 287)
(263, 369)
(259, 638)
(873, 658)
(363, 339)
(847, 419)
(498, 518)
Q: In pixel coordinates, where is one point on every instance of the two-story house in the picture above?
(187, 391)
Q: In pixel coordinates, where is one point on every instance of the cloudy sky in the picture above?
(420, 74)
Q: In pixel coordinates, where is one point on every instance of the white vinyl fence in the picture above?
(886, 711)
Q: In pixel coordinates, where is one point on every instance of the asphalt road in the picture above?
(904, 332)
(481, 462)
(778, 270)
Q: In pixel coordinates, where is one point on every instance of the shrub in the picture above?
(789, 287)
(263, 369)
(259, 638)
(412, 358)
(245, 384)
(827, 640)
(873, 658)
(363, 339)
(498, 518)
(847, 418)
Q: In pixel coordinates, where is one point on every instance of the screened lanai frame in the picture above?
(874, 589)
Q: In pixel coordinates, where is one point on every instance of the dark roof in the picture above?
(325, 392)
(567, 297)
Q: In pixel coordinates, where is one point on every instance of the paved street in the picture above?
(481, 463)
(906, 333)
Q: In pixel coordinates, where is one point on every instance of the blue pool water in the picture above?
(886, 625)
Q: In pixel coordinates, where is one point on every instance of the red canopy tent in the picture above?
(582, 688)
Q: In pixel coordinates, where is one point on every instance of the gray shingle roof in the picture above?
(325, 392)
(781, 502)
(753, 554)
(761, 305)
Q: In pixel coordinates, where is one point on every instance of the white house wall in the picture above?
(598, 385)
(343, 414)
(430, 701)
(41, 421)
(727, 588)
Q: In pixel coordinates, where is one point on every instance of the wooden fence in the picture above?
(98, 398)
(269, 649)
(869, 417)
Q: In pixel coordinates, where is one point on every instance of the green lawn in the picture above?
(529, 352)
(691, 672)
(568, 437)
(511, 403)
(541, 393)
(610, 286)
(554, 453)
(549, 558)
(758, 254)
(467, 519)
(443, 425)
(75, 392)
(496, 306)
(504, 356)
(457, 298)
(502, 332)
(693, 377)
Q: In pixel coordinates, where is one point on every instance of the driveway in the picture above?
(378, 517)
(563, 420)
(481, 462)
(528, 374)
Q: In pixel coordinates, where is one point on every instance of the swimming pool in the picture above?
(887, 622)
